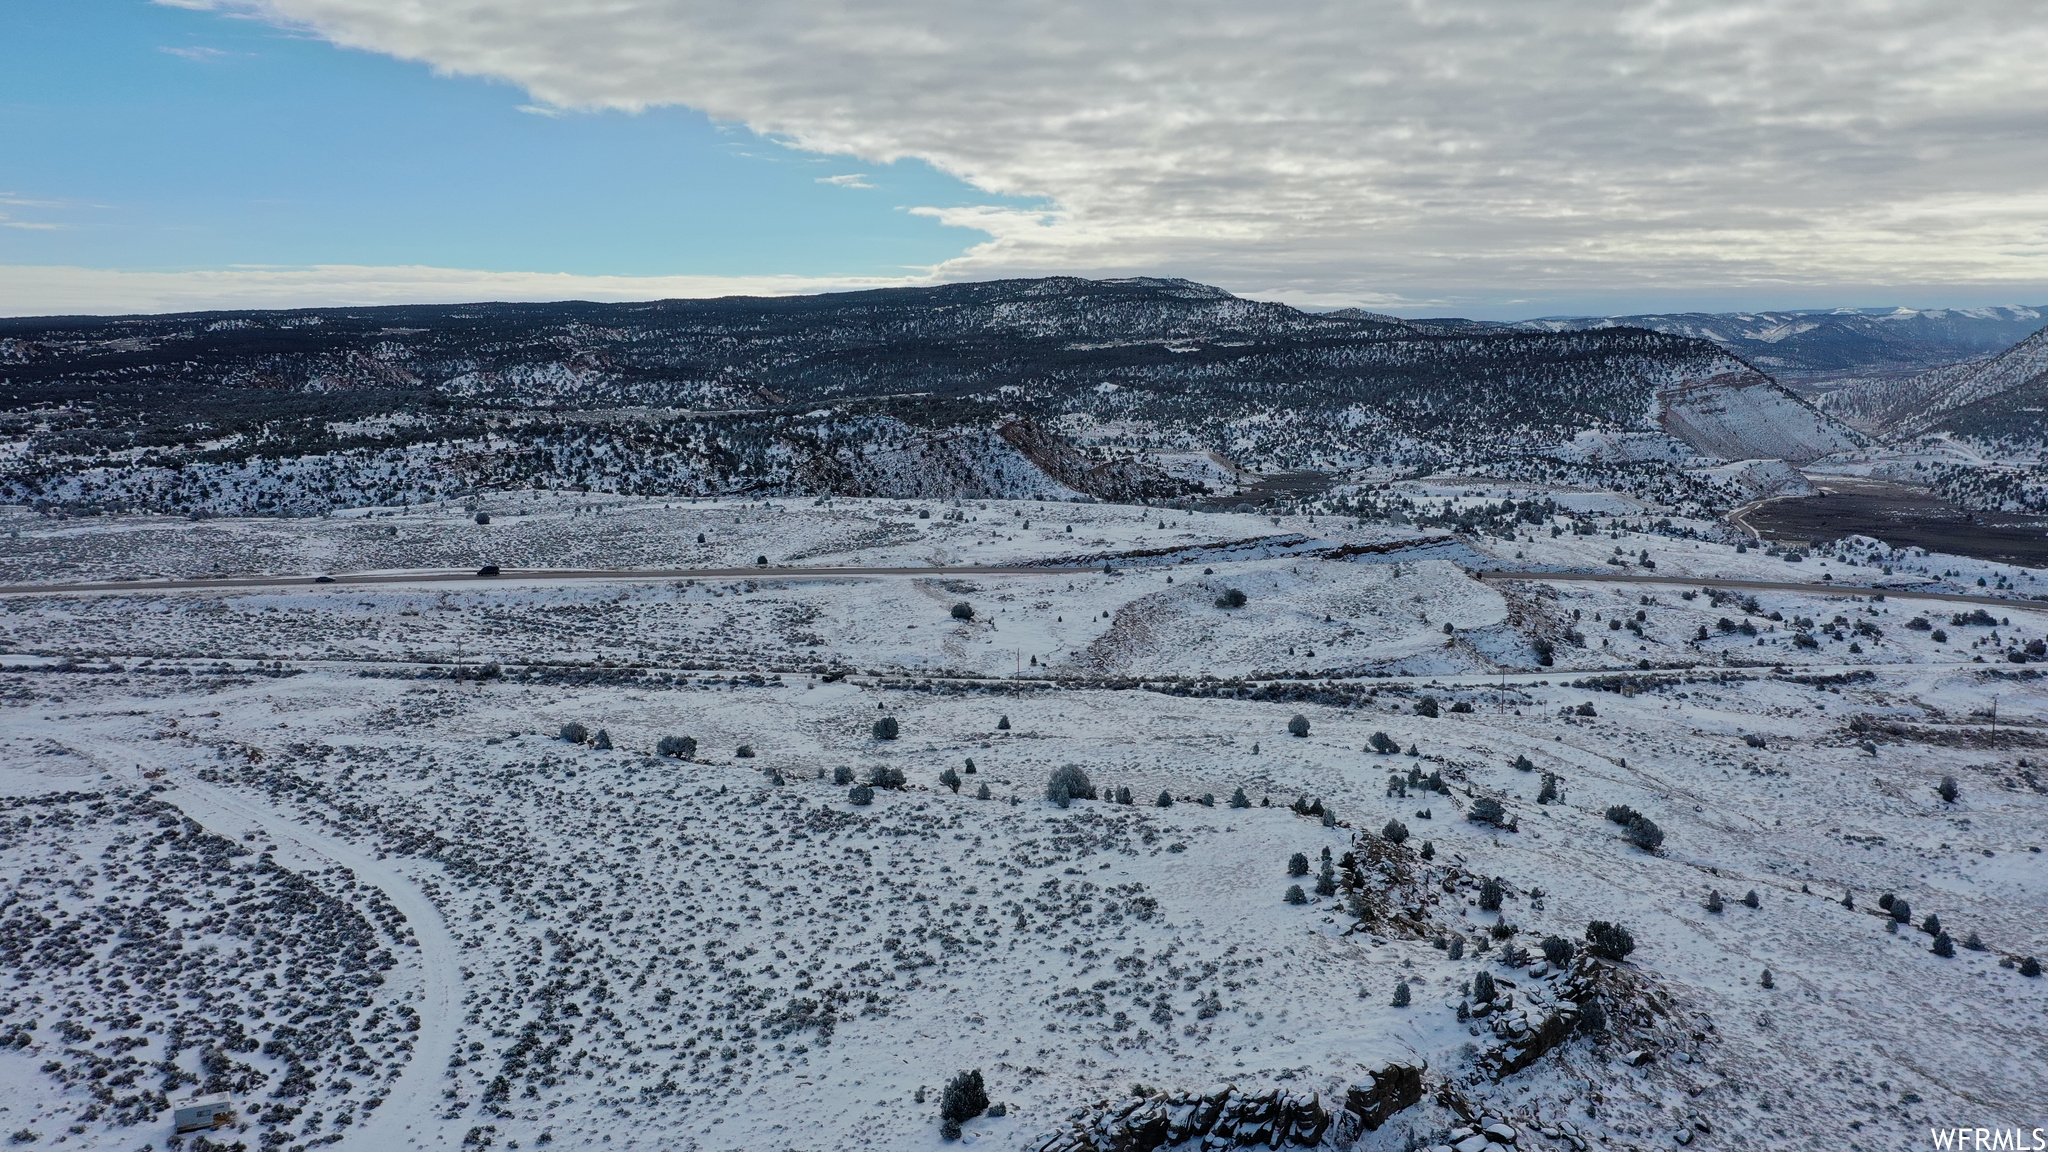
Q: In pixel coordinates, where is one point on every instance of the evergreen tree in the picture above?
(1766, 980)
(1714, 900)
(964, 1098)
(1073, 781)
(1609, 941)
(1524, 764)
(1943, 946)
(1295, 895)
(842, 775)
(860, 794)
(1949, 791)
(1751, 900)
(884, 776)
(1483, 989)
(1298, 726)
(950, 779)
(1384, 744)
(1326, 880)
(1395, 832)
(1297, 864)
(886, 728)
(1902, 912)
(2030, 967)
(682, 747)
(1401, 994)
(1549, 793)
(1931, 925)
(1429, 849)
(1165, 799)
(1239, 800)
(1974, 942)
(1644, 834)
(1592, 1018)
(1457, 948)
(1003, 725)
(575, 733)
(1557, 950)
(603, 742)
(982, 794)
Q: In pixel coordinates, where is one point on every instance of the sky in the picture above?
(1492, 158)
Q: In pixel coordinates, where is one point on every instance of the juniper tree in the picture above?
(1401, 994)
(1165, 799)
(950, 779)
(744, 752)
(1123, 796)
(1239, 800)
(1395, 832)
(860, 794)
(842, 775)
(1487, 810)
(1297, 864)
(1949, 791)
(1751, 900)
(1766, 980)
(1592, 1017)
(983, 793)
(1931, 925)
(963, 611)
(884, 776)
(2030, 967)
(1070, 779)
(1902, 912)
(1886, 901)
(1457, 948)
(1943, 946)
(1609, 941)
(1490, 894)
(1482, 987)
(1298, 726)
(1428, 850)
(965, 1097)
(1329, 818)
(1427, 707)
(1003, 724)
(682, 747)
(1714, 900)
(1549, 792)
(1326, 880)
(1384, 744)
(575, 733)
(886, 728)
(1557, 950)
(1644, 834)
(1524, 764)
(1295, 895)
(1973, 942)
(1208, 800)
(1620, 814)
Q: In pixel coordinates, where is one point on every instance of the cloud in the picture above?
(29, 290)
(851, 180)
(542, 110)
(198, 55)
(1334, 147)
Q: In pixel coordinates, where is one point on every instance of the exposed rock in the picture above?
(1223, 1118)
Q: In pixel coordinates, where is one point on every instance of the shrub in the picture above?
(1943, 946)
(842, 775)
(1487, 810)
(1384, 744)
(1297, 864)
(1620, 814)
(744, 752)
(1609, 941)
(886, 728)
(483, 517)
(884, 776)
(1585, 709)
(1886, 901)
(1931, 925)
(1122, 796)
(575, 733)
(1231, 598)
(1592, 1017)
(1003, 724)
(1428, 850)
(965, 1097)
(1208, 800)
(1483, 989)
(1948, 789)
(1549, 793)
(970, 765)
(1395, 832)
(1644, 833)
(1902, 912)
(1457, 948)
(860, 794)
(1239, 800)
(982, 794)
(1714, 900)
(1523, 764)
(1973, 942)
(1426, 707)
(1071, 783)
(2030, 967)
(950, 779)
(1298, 726)
(681, 747)
(963, 611)
(603, 742)
(1401, 994)
(1765, 979)
(1295, 895)
(1938, 636)
(1165, 799)
(1490, 894)
(1557, 950)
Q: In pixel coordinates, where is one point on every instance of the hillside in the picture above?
(897, 392)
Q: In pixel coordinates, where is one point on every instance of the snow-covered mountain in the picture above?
(889, 392)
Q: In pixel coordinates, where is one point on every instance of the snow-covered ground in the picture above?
(324, 848)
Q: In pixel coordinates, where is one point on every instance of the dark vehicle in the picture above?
(323, 579)
(488, 570)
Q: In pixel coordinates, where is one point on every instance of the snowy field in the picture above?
(325, 849)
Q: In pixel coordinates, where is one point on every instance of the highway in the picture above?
(1822, 586)
(517, 575)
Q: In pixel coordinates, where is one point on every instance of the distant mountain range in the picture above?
(1813, 351)
(949, 390)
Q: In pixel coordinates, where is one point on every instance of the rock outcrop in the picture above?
(1226, 1117)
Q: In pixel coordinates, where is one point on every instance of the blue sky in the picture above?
(140, 136)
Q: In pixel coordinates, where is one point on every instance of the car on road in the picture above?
(488, 570)
(323, 579)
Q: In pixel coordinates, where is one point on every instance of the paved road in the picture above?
(467, 576)
(1831, 587)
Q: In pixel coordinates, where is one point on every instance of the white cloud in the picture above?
(1357, 148)
(850, 180)
(197, 55)
(58, 290)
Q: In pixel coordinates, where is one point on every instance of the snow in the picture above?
(614, 949)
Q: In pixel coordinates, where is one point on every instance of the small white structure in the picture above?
(203, 1112)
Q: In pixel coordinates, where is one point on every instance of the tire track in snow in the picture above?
(407, 1116)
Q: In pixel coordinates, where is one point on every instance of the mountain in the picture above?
(899, 391)
(1813, 350)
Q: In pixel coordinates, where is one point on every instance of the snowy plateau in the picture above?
(422, 861)
(1046, 715)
